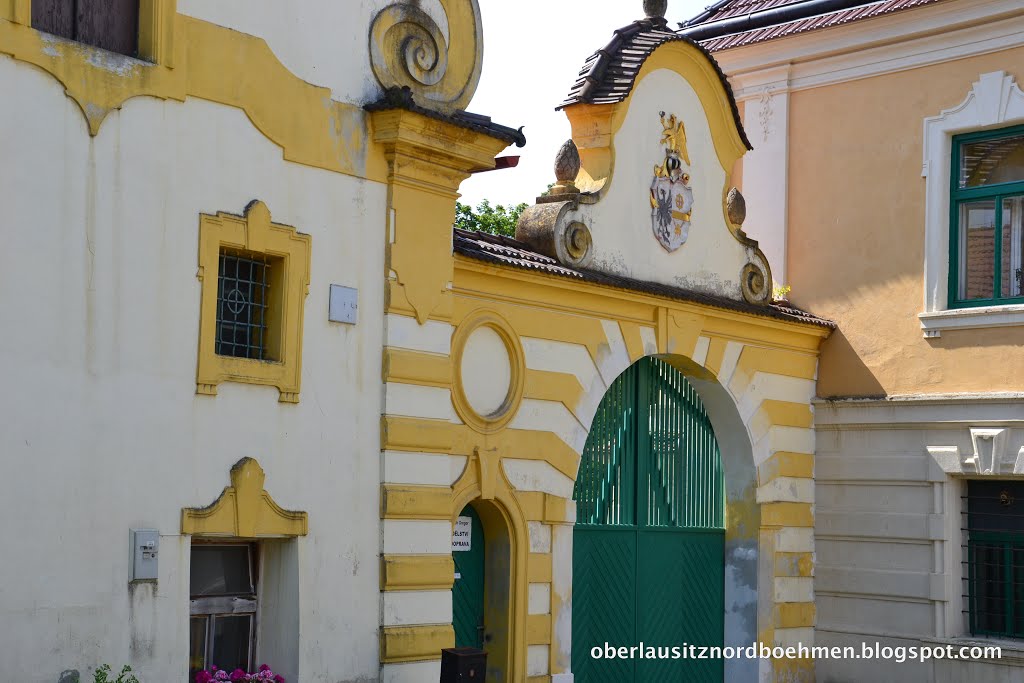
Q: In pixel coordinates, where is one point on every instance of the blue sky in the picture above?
(533, 51)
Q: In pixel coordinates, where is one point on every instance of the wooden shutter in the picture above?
(54, 16)
(110, 24)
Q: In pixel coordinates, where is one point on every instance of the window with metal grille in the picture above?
(994, 552)
(110, 24)
(222, 615)
(244, 298)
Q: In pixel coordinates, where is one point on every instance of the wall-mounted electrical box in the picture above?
(145, 547)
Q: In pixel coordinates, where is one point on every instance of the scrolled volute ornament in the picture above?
(756, 279)
(408, 49)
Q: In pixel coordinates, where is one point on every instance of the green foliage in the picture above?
(103, 675)
(497, 220)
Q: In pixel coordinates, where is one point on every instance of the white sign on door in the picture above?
(462, 536)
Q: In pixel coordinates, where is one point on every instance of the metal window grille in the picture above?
(243, 294)
(993, 527)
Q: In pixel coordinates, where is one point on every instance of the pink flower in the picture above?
(203, 677)
(264, 667)
(238, 675)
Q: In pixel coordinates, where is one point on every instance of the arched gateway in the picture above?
(539, 380)
(649, 540)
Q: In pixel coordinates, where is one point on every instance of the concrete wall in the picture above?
(888, 534)
(103, 430)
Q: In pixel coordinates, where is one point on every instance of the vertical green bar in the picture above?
(642, 440)
(997, 288)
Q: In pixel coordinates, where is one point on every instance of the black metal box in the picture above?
(463, 664)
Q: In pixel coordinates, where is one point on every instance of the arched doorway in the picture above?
(468, 554)
(484, 600)
(649, 540)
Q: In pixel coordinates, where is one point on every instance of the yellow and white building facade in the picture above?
(256, 380)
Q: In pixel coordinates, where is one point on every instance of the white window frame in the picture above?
(214, 607)
(995, 101)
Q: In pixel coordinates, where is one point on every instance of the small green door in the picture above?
(468, 590)
(649, 540)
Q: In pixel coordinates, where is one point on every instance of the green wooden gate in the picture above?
(468, 590)
(648, 546)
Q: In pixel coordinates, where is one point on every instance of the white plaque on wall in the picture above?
(462, 535)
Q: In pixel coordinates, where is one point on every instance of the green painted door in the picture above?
(468, 590)
(648, 545)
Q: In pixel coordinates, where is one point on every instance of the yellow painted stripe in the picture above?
(399, 501)
(787, 514)
(417, 434)
(532, 504)
(439, 436)
(538, 629)
(538, 568)
(557, 510)
(415, 643)
(749, 329)
(716, 353)
(682, 331)
(415, 367)
(541, 323)
(776, 362)
(554, 386)
(773, 413)
(787, 414)
(786, 464)
(634, 342)
(416, 572)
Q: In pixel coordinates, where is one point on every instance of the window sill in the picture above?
(934, 322)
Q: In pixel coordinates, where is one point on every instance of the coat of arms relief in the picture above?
(671, 195)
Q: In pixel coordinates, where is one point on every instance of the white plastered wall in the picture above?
(324, 42)
(624, 243)
(103, 429)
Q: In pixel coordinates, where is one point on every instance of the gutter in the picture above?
(708, 12)
(765, 18)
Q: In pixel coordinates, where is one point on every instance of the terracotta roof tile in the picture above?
(608, 75)
(505, 251)
(737, 8)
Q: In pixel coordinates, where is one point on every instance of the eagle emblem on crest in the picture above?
(671, 195)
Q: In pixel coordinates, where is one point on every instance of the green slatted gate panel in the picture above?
(468, 589)
(648, 546)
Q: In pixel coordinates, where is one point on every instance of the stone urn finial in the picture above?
(655, 9)
(736, 207)
(567, 167)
